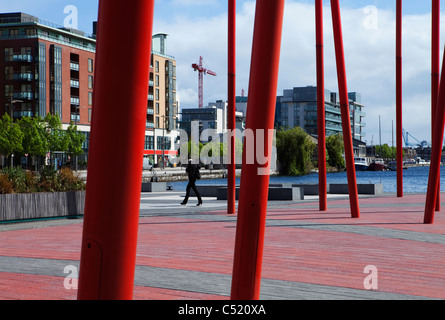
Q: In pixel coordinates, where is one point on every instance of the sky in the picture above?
(199, 28)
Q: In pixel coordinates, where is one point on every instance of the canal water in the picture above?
(414, 179)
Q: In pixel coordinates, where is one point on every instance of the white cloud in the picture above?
(370, 59)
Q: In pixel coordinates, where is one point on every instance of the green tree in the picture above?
(35, 140)
(11, 137)
(294, 150)
(74, 140)
(335, 149)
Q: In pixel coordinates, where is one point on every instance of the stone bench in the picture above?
(154, 187)
(208, 190)
(275, 194)
(361, 188)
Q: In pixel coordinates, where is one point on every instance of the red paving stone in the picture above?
(291, 253)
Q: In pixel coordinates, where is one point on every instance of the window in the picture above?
(25, 50)
(90, 65)
(31, 32)
(149, 143)
(157, 80)
(13, 32)
(157, 94)
(157, 107)
(89, 114)
(90, 98)
(9, 90)
(156, 66)
(157, 122)
(90, 82)
(9, 52)
(9, 73)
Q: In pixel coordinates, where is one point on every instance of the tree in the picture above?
(295, 150)
(35, 140)
(74, 140)
(335, 149)
(11, 137)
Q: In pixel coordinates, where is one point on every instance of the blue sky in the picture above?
(198, 27)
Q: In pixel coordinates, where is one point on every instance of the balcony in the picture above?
(23, 95)
(74, 83)
(150, 111)
(149, 125)
(75, 117)
(23, 76)
(22, 58)
(150, 97)
(74, 66)
(23, 113)
(75, 101)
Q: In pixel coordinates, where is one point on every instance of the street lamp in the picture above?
(11, 108)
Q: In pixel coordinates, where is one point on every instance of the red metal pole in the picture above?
(344, 106)
(435, 72)
(433, 181)
(322, 186)
(108, 253)
(399, 123)
(252, 204)
(231, 120)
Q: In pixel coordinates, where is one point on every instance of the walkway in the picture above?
(187, 252)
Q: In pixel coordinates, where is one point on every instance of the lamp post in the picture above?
(11, 109)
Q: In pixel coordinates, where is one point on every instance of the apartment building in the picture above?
(298, 107)
(46, 68)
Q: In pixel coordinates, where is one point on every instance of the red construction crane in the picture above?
(201, 72)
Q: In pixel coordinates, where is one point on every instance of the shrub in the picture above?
(5, 185)
(17, 180)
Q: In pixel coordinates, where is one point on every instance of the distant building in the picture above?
(214, 117)
(298, 107)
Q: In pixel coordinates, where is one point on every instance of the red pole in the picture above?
(252, 204)
(433, 181)
(435, 72)
(231, 122)
(322, 187)
(108, 253)
(399, 123)
(344, 106)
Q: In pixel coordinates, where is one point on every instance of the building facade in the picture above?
(46, 68)
(298, 107)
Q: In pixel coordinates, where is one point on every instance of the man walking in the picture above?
(193, 174)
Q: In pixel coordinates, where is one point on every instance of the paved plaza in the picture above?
(187, 252)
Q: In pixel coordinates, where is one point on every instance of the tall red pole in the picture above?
(344, 106)
(436, 152)
(435, 72)
(322, 186)
(231, 120)
(108, 252)
(399, 124)
(252, 204)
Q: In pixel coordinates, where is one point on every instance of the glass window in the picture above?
(90, 65)
(9, 52)
(90, 98)
(157, 94)
(156, 66)
(90, 82)
(13, 32)
(9, 73)
(157, 107)
(157, 80)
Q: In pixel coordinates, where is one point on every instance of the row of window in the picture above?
(163, 143)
